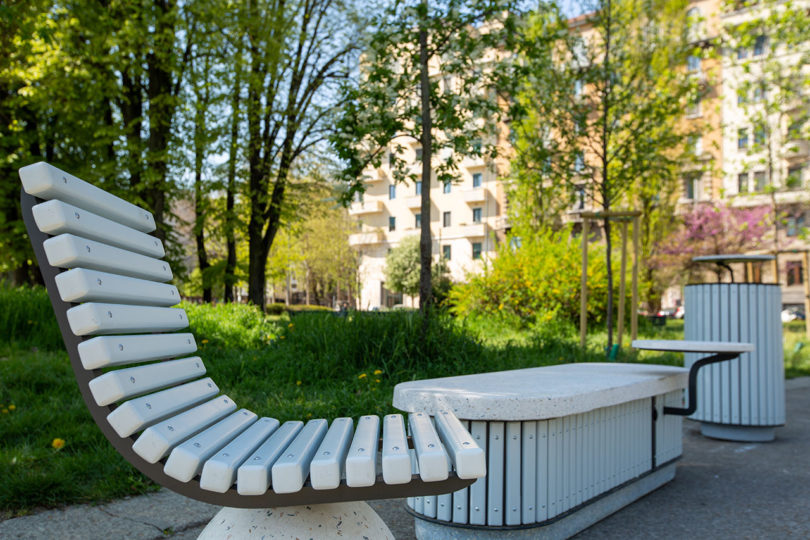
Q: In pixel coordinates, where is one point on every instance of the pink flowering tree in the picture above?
(712, 229)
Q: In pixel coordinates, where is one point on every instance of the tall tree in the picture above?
(598, 104)
(428, 76)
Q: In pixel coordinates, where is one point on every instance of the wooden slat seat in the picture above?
(150, 396)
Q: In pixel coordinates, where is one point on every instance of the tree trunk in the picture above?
(425, 243)
(609, 318)
(230, 194)
(200, 138)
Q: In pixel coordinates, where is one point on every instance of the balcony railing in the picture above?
(365, 238)
(366, 207)
(473, 196)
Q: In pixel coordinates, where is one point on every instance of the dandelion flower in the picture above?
(5, 411)
(376, 380)
(12, 407)
(291, 325)
(298, 383)
(204, 341)
(58, 443)
(377, 372)
(361, 376)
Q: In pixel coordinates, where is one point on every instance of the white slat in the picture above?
(71, 251)
(253, 476)
(106, 351)
(432, 458)
(123, 383)
(83, 285)
(186, 461)
(326, 468)
(528, 471)
(290, 471)
(461, 498)
(133, 415)
(396, 460)
(512, 478)
(98, 318)
(56, 217)
(495, 479)
(47, 182)
(156, 441)
(361, 461)
(219, 472)
(478, 491)
(541, 504)
(468, 459)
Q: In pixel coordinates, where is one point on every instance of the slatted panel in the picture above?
(56, 217)
(461, 498)
(396, 459)
(329, 463)
(253, 476)
(478, 491)
(94, 318)
(361, 461)
(83, 285)
(107, 351)
(432, 458)
(71, 251)
(47, 182)
(748, 391)
(123, 383)
(468, 460)
(291, 469)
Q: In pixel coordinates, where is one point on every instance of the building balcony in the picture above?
(365, 207)
(414, 203)
(474, 230)
(473, 196)
(365, 238)
(797, 149)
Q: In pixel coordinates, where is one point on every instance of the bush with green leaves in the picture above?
(539, 282)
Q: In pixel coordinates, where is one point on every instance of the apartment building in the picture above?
(467, 219)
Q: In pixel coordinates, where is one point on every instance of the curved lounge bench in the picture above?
(153, 402)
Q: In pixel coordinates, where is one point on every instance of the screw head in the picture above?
(196, 445)
(87, 248)
(132, 380)
(98, 281)
(120, 346)
(77, 215)
(148, 405)
(109, 314)
(170, 428)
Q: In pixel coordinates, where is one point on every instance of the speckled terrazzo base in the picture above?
(355, 520)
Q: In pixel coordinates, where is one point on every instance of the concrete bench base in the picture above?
(333, 520)
(565, 526)
(738, 433)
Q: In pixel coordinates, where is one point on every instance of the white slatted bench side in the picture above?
(127, 382)
(396, 457)
(468, 459)
(329, 462)
(253, 476)
(186, 460)
(361, 460)
(56, 217)
(433, 465)
(84, 285)
(291, 469)
(105, 351)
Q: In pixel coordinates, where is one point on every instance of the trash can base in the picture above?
(738, 433)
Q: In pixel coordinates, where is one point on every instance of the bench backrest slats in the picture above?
(136, 414)
(467, 458)
(127, 382)
(71, 251)
(56, 217)
(94, 318)
(105, 351)
(291, 469)
(433, 464)
(253, 476)
(47, 182)
(327, 466)
(396, 457)
(361, 462)
(156, 441)
(186, 460)
(83, 285)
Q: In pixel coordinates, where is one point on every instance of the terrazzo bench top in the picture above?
(539, 393)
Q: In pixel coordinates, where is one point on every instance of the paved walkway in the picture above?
(721, 490)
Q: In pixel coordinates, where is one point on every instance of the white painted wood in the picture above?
(253, 476)
(528, 472)
(713, 371)
(56, 217)
(156, 441)
(495, 480)
(538, 393)
(219, 471)
(361, 461)
(104, 351)
(83, 285)
(186, 460)
(47, 182)
(541, 505)
(429, 505)
(512, 488)
(432, 457)
(461, 498)
(99, 318)
(444, 507)
(291, 469)
(418, 501)
(734, 365)
(71, 251)
(327, 466)
(746, 358)
(396, 460)
(467, 458)
(135, 414)
(478, 491)
(122, 383)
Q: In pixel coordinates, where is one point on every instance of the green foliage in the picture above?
(402, 265)
(536, 283)
(27, 319)
(240, 326)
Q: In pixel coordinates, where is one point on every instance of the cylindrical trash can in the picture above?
(741, 399)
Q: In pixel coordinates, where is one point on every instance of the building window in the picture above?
(742, 53)
(794, 177)
(446, 252)
(696, 145)
(418, 188)
(446, 187)
(418, 153)
(579, 196)
(418, 221)
(446, 219)
(691, 187)
(794, 272)
(476, 215)
(693, 109)
(476, 250)
(742, 139)
(760, 93)
(358, 197)
(579, 162)
(476, 146)
(578, 87)
(392, 191)
(759, 136)
(742, 183)
(477, 178)
(759, 45)
(741, 97)
(392, 159)
(794, 131)
(392, 223)
(693, 63)
(760, 181)
(794, 224)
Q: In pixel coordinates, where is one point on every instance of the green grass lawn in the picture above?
(310, 366)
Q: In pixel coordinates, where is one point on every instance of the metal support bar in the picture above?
(693, 371)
